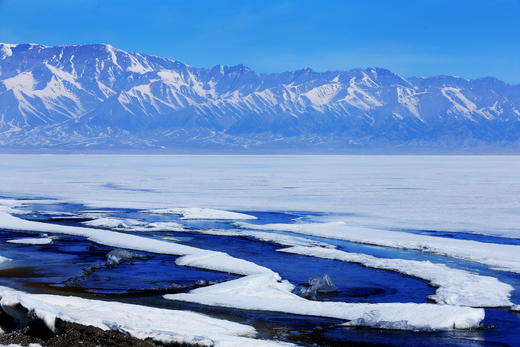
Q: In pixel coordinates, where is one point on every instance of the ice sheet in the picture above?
(452, 193)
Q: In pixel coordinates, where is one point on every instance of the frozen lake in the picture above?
(448, 193)
(369, 222)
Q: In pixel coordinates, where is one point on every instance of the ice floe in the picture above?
(267, 292)
(280, 239)
(202, 213)
(32, 241)
(454, 286)
(500, 256)
(162, 325)
(129, 224)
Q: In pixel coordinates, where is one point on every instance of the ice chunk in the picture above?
(222, 262)
(32, 241)
(318, 284)
(119, 256)
(112, 223)
(203, 213)
(129, 224)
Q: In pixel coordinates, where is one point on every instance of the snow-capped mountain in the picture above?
(97, 96)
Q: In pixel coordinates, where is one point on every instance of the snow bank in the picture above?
(32, 241)
(138, 243)
(129, 224)
(166, 326)
(267, 292)
(502, 257)
(202, 213)
(454, 287)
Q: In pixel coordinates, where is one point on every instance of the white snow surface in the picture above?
(267, 292)
(202, 213)
(500, 256)
(216, 261)
(477, 194)
(454, 286)
(32, 241)
(142, 322)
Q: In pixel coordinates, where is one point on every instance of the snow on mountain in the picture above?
(98, 96)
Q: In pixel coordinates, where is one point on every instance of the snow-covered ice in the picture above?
(129, 224)
(166, 326)
(501, 256)
(267, 292)
(476, 194)
(280, 239)
(112, 223)
(454, 286)
(32, 241)
(202, 213)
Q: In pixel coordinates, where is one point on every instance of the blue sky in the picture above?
(468, 38)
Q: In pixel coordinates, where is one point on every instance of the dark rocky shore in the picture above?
(73, 334)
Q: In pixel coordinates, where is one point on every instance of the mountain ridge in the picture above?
(98, 97)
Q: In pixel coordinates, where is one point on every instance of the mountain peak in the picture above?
(97, 94)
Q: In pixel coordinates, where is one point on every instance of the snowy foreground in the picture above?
(468, 273)
(262, 289)
(165, 326)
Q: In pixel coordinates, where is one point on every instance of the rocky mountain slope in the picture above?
(98, 97)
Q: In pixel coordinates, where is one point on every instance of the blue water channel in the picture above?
(74, 266)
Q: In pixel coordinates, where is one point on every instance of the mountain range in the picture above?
(100, 98)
